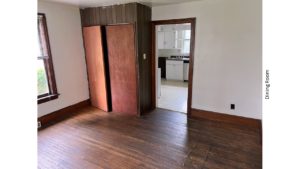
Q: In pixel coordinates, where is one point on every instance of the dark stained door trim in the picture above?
(192, 21)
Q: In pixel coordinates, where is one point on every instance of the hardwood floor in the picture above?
(161, 139)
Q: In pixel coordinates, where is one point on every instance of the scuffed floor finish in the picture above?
(162, 139)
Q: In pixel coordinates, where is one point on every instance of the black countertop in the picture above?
(185, 60)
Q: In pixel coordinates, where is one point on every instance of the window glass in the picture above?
(39, 48)
(186, 46)
(42, 78)
(187, 34)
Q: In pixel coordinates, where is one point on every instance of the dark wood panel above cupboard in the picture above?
(107, 15)
(140, 16)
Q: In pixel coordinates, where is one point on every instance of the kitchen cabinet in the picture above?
(174, 70)
(161, 40)
(173, 39)
(166, 40)
(169, 40)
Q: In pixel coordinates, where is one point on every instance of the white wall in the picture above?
(228, 53)
(64, 28)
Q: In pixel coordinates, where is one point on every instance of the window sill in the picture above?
(47, 98)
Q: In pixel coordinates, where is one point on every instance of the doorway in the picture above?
(172, 64)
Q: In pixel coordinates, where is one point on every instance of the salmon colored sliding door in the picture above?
(122, 68)
(96, 67)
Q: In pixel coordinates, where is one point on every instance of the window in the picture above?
(186, 41)
(183, 40)
(45, 74)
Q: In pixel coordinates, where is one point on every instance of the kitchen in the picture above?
(173, 47)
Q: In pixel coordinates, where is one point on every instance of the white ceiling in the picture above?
(97, 3)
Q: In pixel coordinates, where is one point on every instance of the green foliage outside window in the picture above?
(42, 81)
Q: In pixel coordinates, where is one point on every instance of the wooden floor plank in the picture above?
(162, 139)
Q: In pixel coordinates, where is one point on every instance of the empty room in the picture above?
(149, 84)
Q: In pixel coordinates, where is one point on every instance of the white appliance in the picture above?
(185, 70)
(174, 69)
(158, 83)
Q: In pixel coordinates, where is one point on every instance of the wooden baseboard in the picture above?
(254, 123)
(62, 114)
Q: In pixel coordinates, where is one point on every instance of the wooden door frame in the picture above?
(192, 21)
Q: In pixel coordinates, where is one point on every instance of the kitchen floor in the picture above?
(173, 95)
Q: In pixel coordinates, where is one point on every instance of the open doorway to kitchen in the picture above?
(172, 63)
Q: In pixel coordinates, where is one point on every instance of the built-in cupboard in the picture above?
(118, 47)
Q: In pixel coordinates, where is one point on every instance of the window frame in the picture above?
(52, 94)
